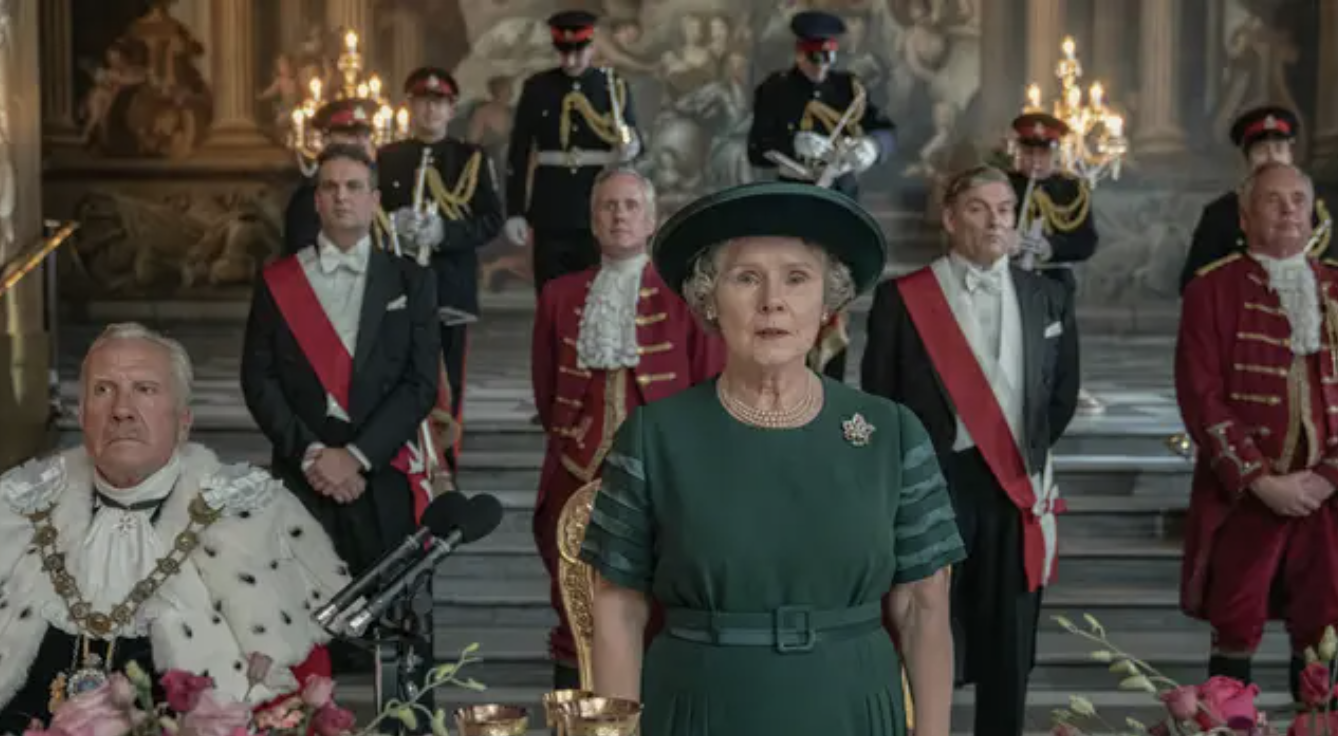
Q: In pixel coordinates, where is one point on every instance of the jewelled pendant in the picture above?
(87, 678)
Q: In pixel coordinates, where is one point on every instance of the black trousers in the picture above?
(455, 351)
(560, 252)
(994, 617)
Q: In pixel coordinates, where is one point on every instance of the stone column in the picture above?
(234, 75)
(292, 26)
(1109, 50)
(355, 15)
(1158, 130)
(407, 54)
(1325, 146)
(57, 72)
(1001, 96)
(1045, 31)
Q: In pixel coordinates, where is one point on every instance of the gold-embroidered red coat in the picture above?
(1251, 405)
(581, 409)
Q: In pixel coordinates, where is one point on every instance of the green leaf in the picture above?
(441, 673)
(439, 723)
(471, 649)
(1124, 667)
(1082, 706)
(1096, 626)
(1060, 715)
(1065, 623)
(1103, 656)
(1137, 683)
(406, 716)
(137, 677)
(472, 684)
(1135, 725)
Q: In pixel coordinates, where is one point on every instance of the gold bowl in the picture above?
(554, 703)
(595, 716)
(492, 720)
(1180, 444)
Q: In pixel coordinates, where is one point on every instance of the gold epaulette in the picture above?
(454, 203)
(1061, 218)
(821, 112)
(603, 125)
(1218, 264)
(1322, 244)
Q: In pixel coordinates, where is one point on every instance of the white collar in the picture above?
(153, 488)
(625, 265)
(331, 256)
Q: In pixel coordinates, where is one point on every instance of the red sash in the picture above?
(967, 385)
(330, 359)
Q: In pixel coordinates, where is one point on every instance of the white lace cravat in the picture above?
(1294, 282)
(121, 546)
(608, 322)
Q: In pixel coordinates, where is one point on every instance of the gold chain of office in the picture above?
(603, 125)
(96, 623)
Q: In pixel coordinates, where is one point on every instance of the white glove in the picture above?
(1038, 245)
(516, 230)
(810, 145)
(861, 154)
(631, 150)
(431, 231)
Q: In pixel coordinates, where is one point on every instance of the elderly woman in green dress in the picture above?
(778, 515)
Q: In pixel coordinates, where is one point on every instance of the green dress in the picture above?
(704, 512)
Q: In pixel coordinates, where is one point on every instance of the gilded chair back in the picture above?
(576, 579)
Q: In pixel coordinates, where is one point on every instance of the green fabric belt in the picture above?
(788, 628)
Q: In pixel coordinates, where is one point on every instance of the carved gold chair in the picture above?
(577, 583)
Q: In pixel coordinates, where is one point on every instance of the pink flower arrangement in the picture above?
(192, 706)
(1220, 705)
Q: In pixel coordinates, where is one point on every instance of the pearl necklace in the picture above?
(798, 415)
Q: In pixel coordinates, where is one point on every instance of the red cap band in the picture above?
(433, 85)
(573, 35)
(1267, 125)
(815, 45)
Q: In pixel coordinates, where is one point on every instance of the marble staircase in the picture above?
(1119, 554)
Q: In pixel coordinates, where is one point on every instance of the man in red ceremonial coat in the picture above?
(1256, 382)
(341, 365)
(1003, 347)
(606, 340)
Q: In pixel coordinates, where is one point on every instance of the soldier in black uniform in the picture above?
(1056, 222)
(346, 121)
(460, 211)
(794, 114)
(1263, 135)
(566, 129)
(1058, 229)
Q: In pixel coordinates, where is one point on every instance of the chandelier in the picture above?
(388, 124)
(1095, 145)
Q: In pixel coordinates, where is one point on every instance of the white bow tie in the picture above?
(332, 259)
(990, 281)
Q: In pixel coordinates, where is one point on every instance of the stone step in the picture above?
(1113, 706)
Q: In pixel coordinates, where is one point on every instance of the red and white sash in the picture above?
(331, 361)
(979, 410)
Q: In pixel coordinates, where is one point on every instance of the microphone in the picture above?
(438, 519)
(477, 519)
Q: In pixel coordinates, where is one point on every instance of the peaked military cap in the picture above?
(815, 25)
(1270, 122)
(813, 214)
(572, 29)
(431, 81)
(1039, 129)
(350, 114)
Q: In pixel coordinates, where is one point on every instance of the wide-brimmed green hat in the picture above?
(779, 209)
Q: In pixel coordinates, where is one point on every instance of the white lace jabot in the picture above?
(121, 546)
(608, 323)
(1297, 290)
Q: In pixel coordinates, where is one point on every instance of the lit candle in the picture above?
(315, 89)
(362, 91)
(1034, 95)
(351, 41)
(402, 120)
(1073, 97)
(1069, 47)
(298, 126)
(1097, 92)
(1115, 124)
(374, 84)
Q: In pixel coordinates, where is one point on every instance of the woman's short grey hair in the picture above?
(647, 188)
(183, 374)
(838, 285)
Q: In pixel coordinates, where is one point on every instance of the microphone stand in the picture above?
(404, 651)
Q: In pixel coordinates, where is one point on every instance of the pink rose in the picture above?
(1160, 729)
(1315, 691)
(318, 691)
(214, 717)
(257, 668)
(1226, 701)
(94, 713)
(332, 721)
(274, 716)
(1182, 702)
(183, 689)
(1065, 729)
(1302, 725)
